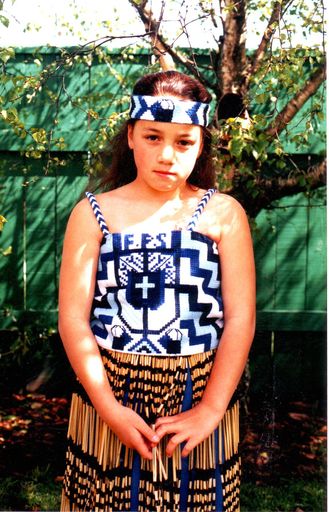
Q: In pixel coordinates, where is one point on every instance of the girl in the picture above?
(156, 313)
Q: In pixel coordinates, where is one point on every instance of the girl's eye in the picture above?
(152, 137)
(185, 143)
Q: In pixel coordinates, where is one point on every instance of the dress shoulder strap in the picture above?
(199, 209)
(98, 214)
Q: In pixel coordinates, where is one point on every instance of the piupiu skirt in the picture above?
(103, 475)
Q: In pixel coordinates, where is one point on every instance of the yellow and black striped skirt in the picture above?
(103, 475)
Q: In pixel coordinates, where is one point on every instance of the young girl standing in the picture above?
(156, 313)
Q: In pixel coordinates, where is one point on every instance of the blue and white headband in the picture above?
(169, 110)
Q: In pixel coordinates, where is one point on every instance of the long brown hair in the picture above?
(121, 168)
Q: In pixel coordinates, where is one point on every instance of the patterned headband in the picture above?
(169, 110)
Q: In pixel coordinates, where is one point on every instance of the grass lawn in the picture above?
(40, 491)
(290, 495)
(35, 491)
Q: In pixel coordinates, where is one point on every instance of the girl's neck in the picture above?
(132, 207)
(146, 194)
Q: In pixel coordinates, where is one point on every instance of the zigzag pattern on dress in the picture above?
(156, 301)
(199, 209)
(98, 213)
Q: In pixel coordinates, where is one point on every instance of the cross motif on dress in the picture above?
(145, 285)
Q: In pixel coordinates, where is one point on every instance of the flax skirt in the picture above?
(103, 475)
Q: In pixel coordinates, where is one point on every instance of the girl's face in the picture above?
(164, 153)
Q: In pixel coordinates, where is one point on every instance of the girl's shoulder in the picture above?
(225, 205)
(83, 214)
(223, 215)
(91, 201)
(116, 194)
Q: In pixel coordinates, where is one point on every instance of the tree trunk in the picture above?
(233, 51)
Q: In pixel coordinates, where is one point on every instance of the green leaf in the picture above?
(278, 151)
(260, 98)
(8, 251)
(3, 220)
(235, 147)
(4, 20)
(39, 135)
(6, 54)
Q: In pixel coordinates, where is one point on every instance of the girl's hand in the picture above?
(192, 426)
(132, 430)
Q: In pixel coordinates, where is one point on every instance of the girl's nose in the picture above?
(166, 154)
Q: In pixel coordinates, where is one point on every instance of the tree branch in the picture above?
(162, 49)
(166, 60)
(272, 25)
(275, 188)
(279, 187)
(295, 104)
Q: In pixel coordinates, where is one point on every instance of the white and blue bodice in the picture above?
(157, 293)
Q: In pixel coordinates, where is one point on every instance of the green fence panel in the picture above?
(37, 207)
(290, 253)
(12, 268)
(40, 200)
(290, 256)
(316, 259)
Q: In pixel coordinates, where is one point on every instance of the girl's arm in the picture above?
(238, 290)
(76, 290)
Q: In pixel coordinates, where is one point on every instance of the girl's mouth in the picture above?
(165, 173)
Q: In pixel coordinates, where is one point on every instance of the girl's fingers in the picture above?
(144, 450)
(164, 420)
(140, 444)
(174, 442)
(188, 448)
(141, 426)
(167, 428)
(135, 433)
(148, 432)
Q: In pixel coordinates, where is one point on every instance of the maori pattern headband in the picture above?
(169, 110)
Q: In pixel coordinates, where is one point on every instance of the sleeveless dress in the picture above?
(157, 316)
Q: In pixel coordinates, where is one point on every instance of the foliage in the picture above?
(279, 85)
(32, 353)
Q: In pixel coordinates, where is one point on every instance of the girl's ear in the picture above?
(130, 136)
